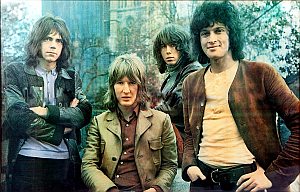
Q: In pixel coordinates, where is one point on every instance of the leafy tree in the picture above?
(272, 34)
(15, 26)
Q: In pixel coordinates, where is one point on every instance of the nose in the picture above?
(126, 88)
(168, 49)
(53, 45)
(212, 38)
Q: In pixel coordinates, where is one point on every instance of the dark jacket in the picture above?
(256, 94)
(24, 89)
(172, 96)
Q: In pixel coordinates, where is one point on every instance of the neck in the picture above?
(47, 65)
(221, 64)
(127, 111)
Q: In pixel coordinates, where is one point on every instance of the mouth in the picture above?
(51, 53)
(212, 47)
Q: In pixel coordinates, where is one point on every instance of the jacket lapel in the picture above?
(113, 124)
(143, 124)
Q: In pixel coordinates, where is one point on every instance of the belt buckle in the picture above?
(212, 177)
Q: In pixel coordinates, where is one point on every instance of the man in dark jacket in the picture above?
(230, 112)
(45, 108)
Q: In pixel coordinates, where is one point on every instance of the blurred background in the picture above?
(102, 30)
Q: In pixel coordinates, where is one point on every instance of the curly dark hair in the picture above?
(41, 29)
(209, 13)
(172, 34)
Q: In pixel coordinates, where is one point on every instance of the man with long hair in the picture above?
(230, 112)
(45, 109)
(130, 147)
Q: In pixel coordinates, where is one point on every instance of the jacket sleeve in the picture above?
(168, 166)
(172, 104)
(285, 168)
(21, 121)
(91, 174)
(189, 156)
(72, 117)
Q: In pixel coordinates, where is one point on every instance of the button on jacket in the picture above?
(256, 94)
(155, 150)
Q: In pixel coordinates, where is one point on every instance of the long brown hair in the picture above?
(42, 28)
(131, 66)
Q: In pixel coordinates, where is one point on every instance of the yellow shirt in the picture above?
(222, 144)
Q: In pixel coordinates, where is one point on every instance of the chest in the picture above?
(62, 91)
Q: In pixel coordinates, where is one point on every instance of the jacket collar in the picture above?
(142, 125)
(30, 70)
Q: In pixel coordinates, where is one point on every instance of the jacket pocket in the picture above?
(156, 145)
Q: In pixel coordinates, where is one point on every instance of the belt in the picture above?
(225, 177)
(231, 175)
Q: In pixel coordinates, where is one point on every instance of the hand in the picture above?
(67, 130)
(255, 181)
(195, 173)
(40, 111)
(150, 190)
(74, 102)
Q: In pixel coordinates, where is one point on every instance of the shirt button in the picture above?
(125, 153)
(121, 162)
(127, 125)
(117, 176)
(126, 139)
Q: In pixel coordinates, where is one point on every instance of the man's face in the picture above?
(51, 47)
(215, 41)
(170, 54)
(126, 92)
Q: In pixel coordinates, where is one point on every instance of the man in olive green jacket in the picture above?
(129, 147)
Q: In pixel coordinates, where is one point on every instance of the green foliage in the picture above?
(272, 34)
(15, 26)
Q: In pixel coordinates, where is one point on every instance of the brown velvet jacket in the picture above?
(256, 94)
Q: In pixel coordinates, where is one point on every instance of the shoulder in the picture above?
(194, 66)
(157, 115)
(196, 75)
(15, 67)
(258, 68)
(105, 115)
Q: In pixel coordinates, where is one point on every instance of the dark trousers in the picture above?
(32, 174)
(207, 185)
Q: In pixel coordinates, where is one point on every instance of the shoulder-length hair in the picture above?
(42, 28)
(210, 13)
(172, 34)
(132, 67)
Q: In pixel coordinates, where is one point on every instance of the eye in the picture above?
(204, 33)
(132, 83)
(219, 30)
(47, 39)
(119, 82)
(59, 41)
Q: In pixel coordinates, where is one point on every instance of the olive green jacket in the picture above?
(155, 150)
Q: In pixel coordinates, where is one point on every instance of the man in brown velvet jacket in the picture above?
(230, 112)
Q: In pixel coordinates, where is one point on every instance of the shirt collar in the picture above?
(40, 70)
(134, 113)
